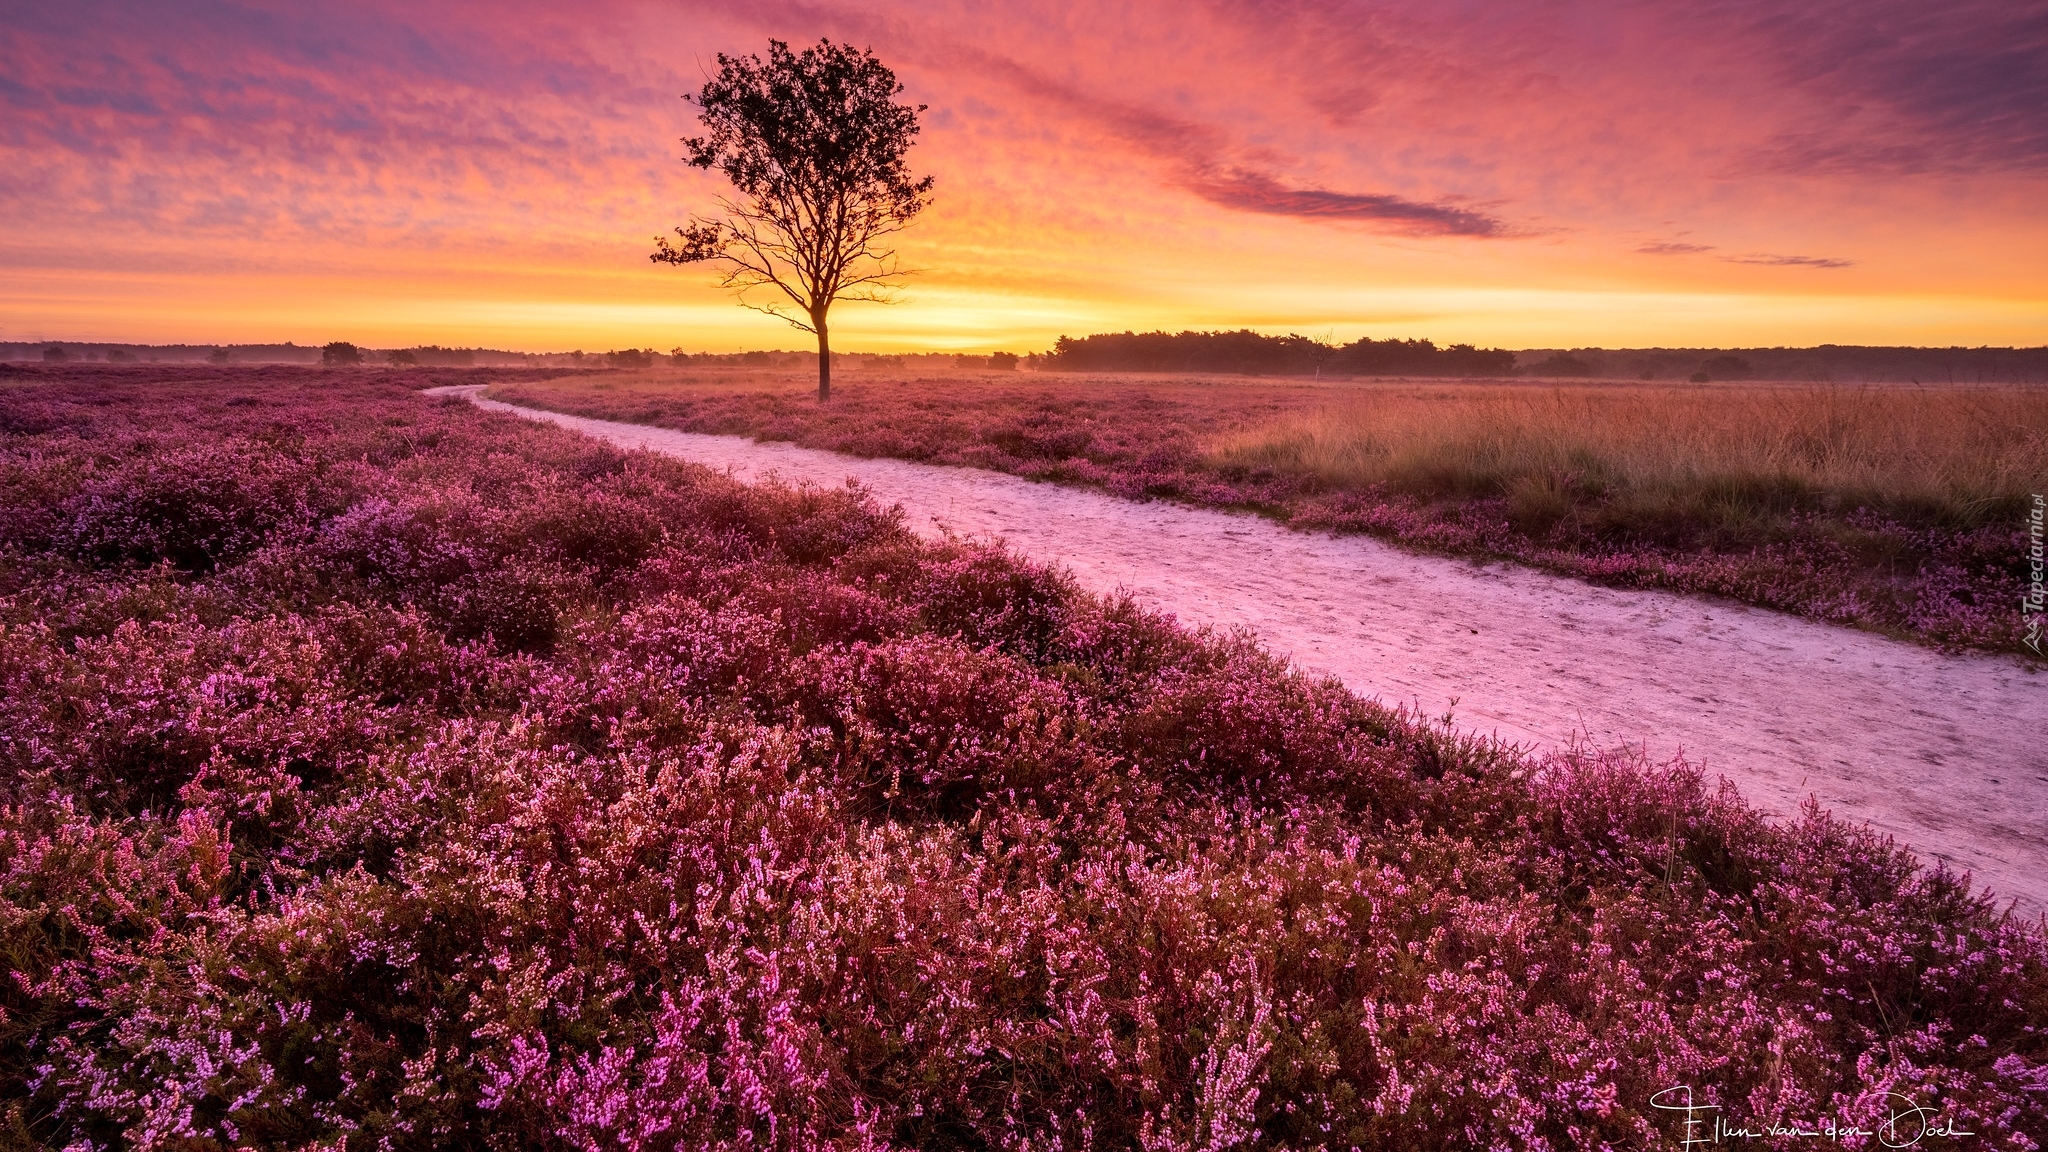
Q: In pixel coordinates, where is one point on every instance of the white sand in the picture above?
(1947, 753)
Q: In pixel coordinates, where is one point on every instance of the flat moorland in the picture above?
(1898, 508)
(379, 772)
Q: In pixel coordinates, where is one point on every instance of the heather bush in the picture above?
(422, 778)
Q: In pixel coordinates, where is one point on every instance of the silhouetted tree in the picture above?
(341, 352)
(814, 144)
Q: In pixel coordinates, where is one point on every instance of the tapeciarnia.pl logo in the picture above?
(2035, 602)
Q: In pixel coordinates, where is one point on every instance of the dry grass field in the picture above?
(1893, 507)
(1675, 462)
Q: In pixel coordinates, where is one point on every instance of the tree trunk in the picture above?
(824, 360)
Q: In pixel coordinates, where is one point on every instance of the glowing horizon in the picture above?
(1606, 174)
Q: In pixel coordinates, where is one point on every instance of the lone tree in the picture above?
(340, 354)
(813, 143)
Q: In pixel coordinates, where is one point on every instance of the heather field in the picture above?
(1890, 507)
(380, 772)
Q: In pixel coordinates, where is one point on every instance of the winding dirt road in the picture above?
(1947, 753)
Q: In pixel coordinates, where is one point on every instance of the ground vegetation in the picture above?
(376, 772)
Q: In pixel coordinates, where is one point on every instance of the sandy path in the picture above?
(1947, 753)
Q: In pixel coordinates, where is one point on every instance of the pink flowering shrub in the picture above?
(463, 783)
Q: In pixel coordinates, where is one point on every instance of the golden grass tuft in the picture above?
(1662, 459)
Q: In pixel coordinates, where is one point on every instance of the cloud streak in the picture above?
(1257, 192)
(1772, 261)
(1206, 161)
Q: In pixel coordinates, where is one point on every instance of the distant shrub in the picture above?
(340, 353)
(630, 358)
(401, 358)
(55, 355)
(218, 356)
(1003, 361)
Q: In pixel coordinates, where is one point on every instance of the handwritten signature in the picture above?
(1906, 1124)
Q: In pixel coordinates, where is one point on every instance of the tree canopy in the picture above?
(341, 353)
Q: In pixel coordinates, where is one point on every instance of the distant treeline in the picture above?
(89, 352)
(1244, 352)
(1253, 354)
(74, 351)
(1837, 363)
(344, 353)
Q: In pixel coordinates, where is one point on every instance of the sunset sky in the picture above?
(1525, 174)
